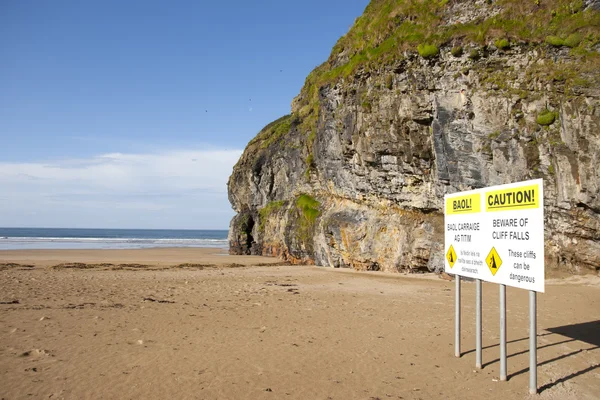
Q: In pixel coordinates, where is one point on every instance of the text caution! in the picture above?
(513, 199)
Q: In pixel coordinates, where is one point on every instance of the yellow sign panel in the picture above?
(493, 261)
(519, 198)
(451, 256)
(470, 203)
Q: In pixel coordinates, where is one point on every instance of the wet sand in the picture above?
(154, 257)
(220, 328)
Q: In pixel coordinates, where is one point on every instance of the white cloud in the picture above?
(174, 189)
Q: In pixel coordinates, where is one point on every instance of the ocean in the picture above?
(67, 238)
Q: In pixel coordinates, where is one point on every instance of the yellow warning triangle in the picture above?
(451, 256)
(493, 261)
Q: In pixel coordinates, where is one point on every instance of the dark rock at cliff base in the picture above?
(355, 176)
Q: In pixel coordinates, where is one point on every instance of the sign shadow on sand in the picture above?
(586, 332)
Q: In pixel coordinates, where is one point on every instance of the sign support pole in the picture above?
(478, 363)
(457, 318)
(502, 332)
(532, 342)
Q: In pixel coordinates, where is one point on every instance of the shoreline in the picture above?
(157, 256)
(167, 257)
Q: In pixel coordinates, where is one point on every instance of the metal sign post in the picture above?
(457, 319)
(478, 363)
(502, 332)
(532, 342)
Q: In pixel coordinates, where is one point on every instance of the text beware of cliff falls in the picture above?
(497, 234)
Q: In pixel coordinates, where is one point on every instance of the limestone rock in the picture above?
(376, 149)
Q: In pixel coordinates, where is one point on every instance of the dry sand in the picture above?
(273, 332)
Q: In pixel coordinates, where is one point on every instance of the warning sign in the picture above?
(493, 261)
(451, 256)
(498, 226)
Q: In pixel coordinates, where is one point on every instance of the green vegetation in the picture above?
(457, 51)
(494, 135)
(389, 29)
(309, 160)
(389, 81)
(551, 169)
(366, 105)
(555, 41)
(568, 73)
(266, 212)
(396, 25)
(310, 140)
(309, 165)
(308, 209)
(502, 44)
(573, 40)
(428, 50)
(276, 132)
(546, 118)
(273, 132)
(474, 55)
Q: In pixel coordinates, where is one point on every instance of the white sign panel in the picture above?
(497, 234)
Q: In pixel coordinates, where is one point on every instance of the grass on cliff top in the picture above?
(273, 132)
(389, 27)
(404, 24)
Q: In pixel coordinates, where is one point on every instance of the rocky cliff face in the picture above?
(355, 176)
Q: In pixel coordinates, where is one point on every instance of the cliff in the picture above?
(420, 99)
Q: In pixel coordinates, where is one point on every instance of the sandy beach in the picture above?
(198, 324)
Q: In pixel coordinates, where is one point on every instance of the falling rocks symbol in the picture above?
(493, 261)
(451, 256)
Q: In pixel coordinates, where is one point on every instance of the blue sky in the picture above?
(131, 114)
